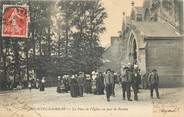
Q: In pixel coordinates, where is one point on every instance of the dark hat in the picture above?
(125, 68)
(108, 70)
(154, 70)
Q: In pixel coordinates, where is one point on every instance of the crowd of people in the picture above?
(81, 83)
(131, 77)
(99, 83)
(37, 84)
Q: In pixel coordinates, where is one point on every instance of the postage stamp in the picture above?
(15, 21)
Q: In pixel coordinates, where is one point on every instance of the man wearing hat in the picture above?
(135, 81)
(154, 82)
(129, 82)
(108, 82)
(123, 79)
(114, 76)
(145, 79)
(81, 80)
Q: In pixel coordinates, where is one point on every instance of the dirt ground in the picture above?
(25, 103)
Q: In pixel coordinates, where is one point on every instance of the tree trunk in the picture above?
(27, 60)
(66, 46)
(49, 41)
(59, 44)
(40, 46)
(17, 64)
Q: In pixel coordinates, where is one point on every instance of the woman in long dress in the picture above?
(94, 76)
(42, 87)
(88, 84)
(100, 84)
(66, 83)
(59, 85)
(73, 86)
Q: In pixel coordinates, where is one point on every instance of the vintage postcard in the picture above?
(89, 58)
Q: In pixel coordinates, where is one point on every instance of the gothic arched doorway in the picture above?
(132, 49)
(134, 52)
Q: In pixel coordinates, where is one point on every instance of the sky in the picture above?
(113, 22)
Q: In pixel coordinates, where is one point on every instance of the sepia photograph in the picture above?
(90, 58)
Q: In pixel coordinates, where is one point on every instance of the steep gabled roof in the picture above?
(156, 29)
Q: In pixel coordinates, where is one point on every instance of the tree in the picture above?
(63, 38)
(87, 21)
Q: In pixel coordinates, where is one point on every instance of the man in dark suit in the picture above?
(108, 81)
(114, 76)
(81, 81)
(123, 79)
(135, 81)
(129, 82)
(154, 83)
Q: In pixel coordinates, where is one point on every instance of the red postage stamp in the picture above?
(15, 21)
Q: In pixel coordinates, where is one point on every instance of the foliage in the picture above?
(63, 38)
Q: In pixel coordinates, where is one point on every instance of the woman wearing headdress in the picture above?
(93, 82)
(42, 85)
(73, 86)
(58, 85)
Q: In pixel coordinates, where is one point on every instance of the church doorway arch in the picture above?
(133, 49)
(134, 52)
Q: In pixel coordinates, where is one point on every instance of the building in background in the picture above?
(152, 37)
(112, 55)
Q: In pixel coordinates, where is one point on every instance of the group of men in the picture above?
(131, 77)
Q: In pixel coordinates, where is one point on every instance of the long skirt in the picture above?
(94, 86)
(58, 89)
(67, 87)
(88, 87)
(101, 89)
(42, 87)
(74, 90)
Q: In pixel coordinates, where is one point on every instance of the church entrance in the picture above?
(134, 52)
(132, 48)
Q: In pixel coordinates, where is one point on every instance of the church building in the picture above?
(152, 38)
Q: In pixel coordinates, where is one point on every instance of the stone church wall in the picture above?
(166, 55)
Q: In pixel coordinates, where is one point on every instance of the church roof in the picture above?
(156, 29)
